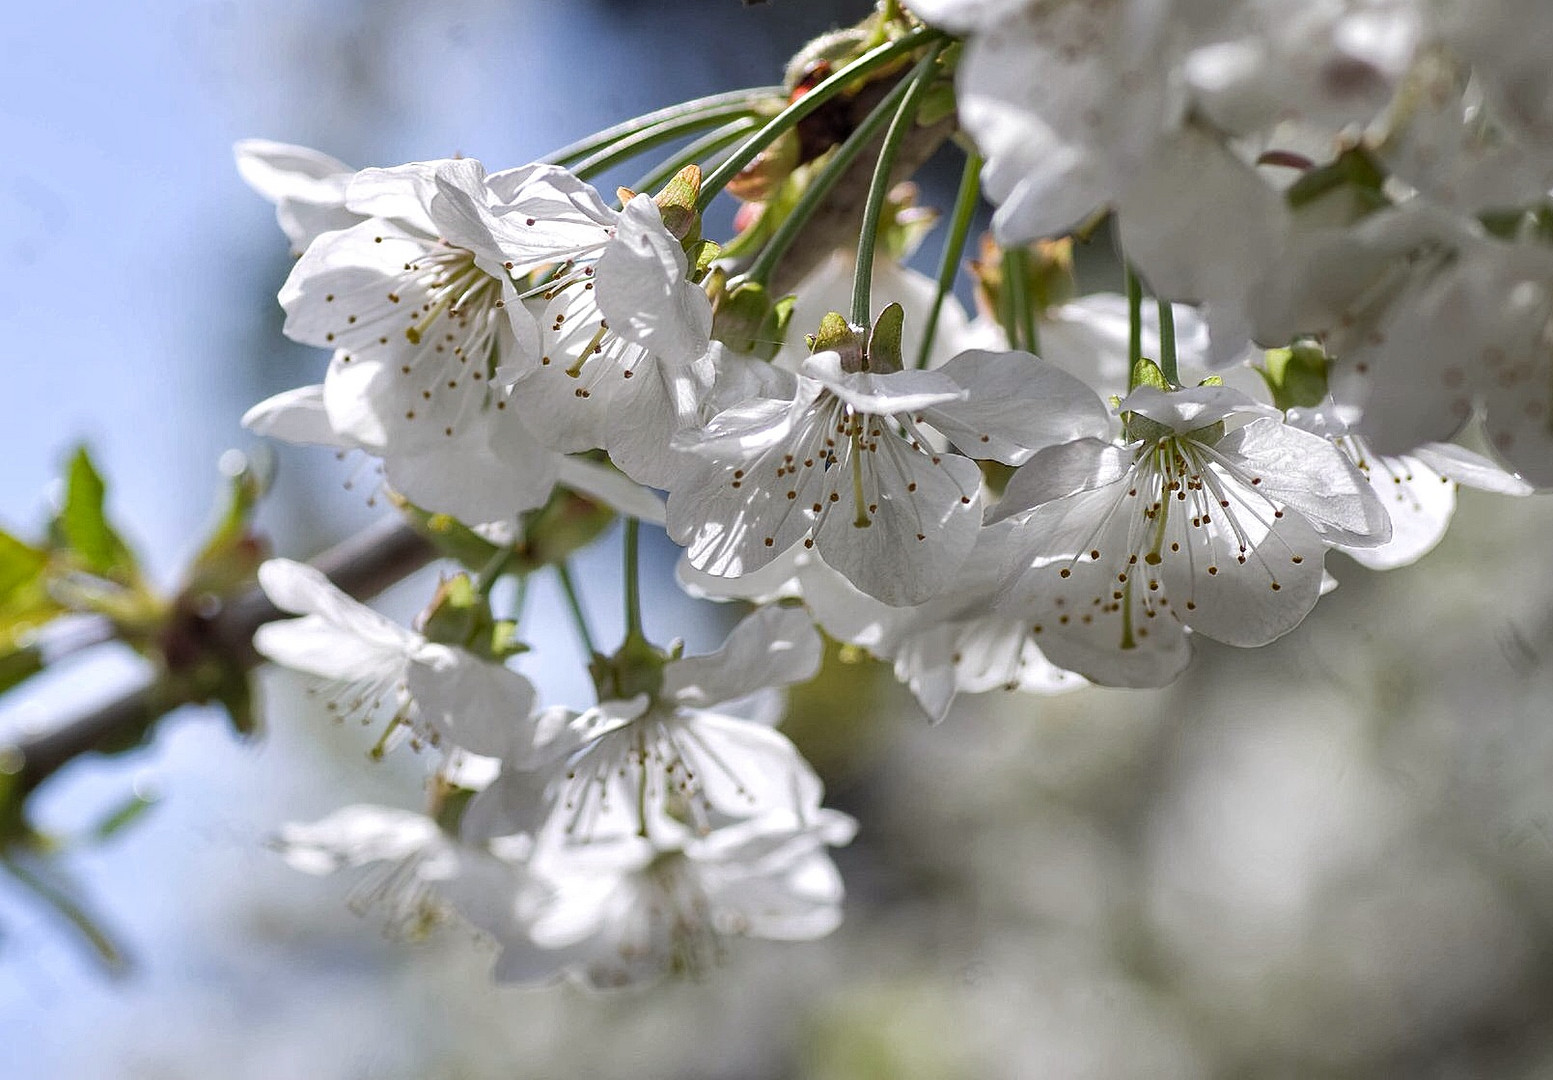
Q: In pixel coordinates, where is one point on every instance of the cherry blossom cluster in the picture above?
(1340, 213)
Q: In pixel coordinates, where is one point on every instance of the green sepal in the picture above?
(738, 309)
(1356, 173)
(460, 615)
(995, 475)
(456, 610)
(1147, 373)
(839, 336)
(451, 537)
(1296, 376)
(884, 343)
(1136, 427)
(1520, 223)
(700, 256)
(234, 693)
(448, 806)
(637, 668)
(773, 328)
(20, 565)
(567, 522)
(25, 606)
(504, 641)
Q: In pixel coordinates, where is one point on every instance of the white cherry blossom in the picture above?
(420, 301)
(365, 662)
(639, 908)
(306, 186)
(429, 874)
(489, 472)
(612, 770)
(625, 355)
(843, 464)
(1120, 549)
(1417, 489)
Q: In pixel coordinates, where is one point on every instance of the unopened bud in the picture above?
(677, 203)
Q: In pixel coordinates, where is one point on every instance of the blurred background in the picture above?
(1331, 857)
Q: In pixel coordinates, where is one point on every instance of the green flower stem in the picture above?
(1167, 343)
(1021, 330)
(574, 602)
(749, 99)
(653, 137)
(789, 117)
(820, 186)
(633, 581)
(1134, 324)
(698, 151)
(905, 116)
(492, 571)
(1027, 317)
(965, 201)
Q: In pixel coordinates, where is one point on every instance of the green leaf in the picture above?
(84, 527)
(20, 564)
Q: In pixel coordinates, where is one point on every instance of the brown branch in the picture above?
(835, 226)
(361, 566)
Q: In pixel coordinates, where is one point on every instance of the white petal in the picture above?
(905, 545)
(1420, 503)
(1244, 598)
(1060, 471)
(489, 469)
(295, 416)
(280, 170)
(882, 395)
(1193, 408)
(1310, 475)
(643, 289)
(1015, 405)
(1469, 469)
(354, 836)
(772, 647)
(605, 484)
(480, 706)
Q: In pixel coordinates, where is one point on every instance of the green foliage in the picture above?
(25, 605)
(82, 526)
